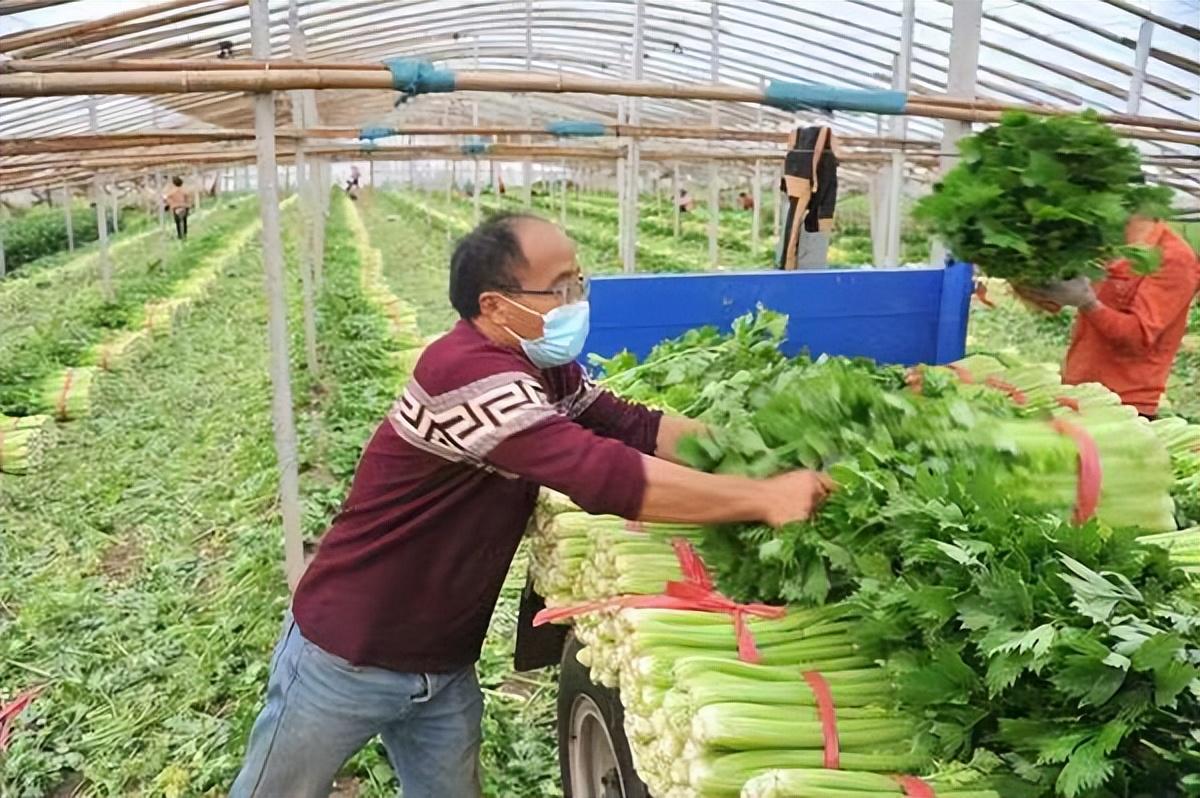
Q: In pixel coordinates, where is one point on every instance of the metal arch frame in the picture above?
(327, 21)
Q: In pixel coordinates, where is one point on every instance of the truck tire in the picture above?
(593, 751)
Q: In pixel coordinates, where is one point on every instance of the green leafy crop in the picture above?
(1036, 199)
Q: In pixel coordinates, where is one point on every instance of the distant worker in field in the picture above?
(179, 203)
(352, 183)
(745, 201)
(388, 621)
(686, 203)
(1129, 326)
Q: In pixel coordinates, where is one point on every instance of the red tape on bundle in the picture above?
(634, 526)
(915, 788)
(828, 714)
(695, 592)
(981, 293)
(914, 378)
(62, 397)
(1091, 474)
(961, 373)
(9, 712)
(1015, 393)
(1066, 401)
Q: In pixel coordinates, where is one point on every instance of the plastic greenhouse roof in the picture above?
(1068, 54)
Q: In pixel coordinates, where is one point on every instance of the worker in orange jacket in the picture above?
(1129, 326)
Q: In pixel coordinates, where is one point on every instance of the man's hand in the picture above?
(1076, 292)
(794, 496)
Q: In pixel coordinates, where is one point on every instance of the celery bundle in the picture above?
(812, 783)
(1182, 441)
(113, 352)
(23, 439)
(68, 393)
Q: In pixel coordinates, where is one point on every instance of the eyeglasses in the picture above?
(566, 292)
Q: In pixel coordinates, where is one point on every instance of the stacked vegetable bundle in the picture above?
(22, 441)
(985, 538)
(699, 720)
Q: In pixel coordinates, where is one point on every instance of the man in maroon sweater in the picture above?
(390, 617)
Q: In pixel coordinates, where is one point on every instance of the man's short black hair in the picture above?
(177, 180)
(486, 259)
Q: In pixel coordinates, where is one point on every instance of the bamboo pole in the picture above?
(756, 192)
(17, 41)
(675, 225)
(162, 218)
(318, 77)
(277, 332)
(22, 6)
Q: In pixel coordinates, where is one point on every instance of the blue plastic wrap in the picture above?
(791, 96)
(566, 127)
(372, 132)
(413, 76)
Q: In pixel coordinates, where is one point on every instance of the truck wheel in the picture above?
(593, 752)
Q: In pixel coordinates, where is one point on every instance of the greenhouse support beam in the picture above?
(106, 287)
(1141, 58)
(675, 221)
(714, 185)
(633, 170)
(527, 166)
(756, 191)
(966, 26)
(562, 209)
(66, 195)
(277, 332)
(159, 187)
(897, 127)
(298, 44)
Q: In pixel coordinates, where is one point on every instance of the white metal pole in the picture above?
(714, 186)
(298, 44)
(675, 199)
(633, 171)
(115, 208)
(277, 333)
(965, 27)
(66, 192)
(621, 178)
(3, 262)
(526, 166)
(562, 209)
(106, 287)
(475, 197)
(756, 190)
(198, 181)
(162, 219)
(1140, 58)
(897, 127)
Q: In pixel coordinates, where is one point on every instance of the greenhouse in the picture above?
(600, 398)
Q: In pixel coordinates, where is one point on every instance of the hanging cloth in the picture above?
(809, 184)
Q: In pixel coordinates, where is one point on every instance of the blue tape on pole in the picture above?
(475, 147)
(371, 133)
(792, 96)
(413, 76)
(567, 127)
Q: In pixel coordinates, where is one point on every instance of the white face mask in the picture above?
(564, 332)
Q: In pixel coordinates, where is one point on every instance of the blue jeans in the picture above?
(321, 710)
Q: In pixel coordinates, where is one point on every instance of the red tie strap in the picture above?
(1015, 393)
(1091, 474)
(1068, 402)
(9, 712)
(634, 526)
(981, 293)
(62, 396)
(828, 714)
(915, 788)
(962, 374)
(914, 378)
(695, 592)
